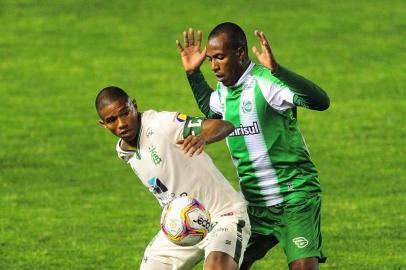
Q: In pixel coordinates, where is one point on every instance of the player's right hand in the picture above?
(192, 57)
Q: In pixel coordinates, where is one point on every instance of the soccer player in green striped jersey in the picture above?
(277, 176)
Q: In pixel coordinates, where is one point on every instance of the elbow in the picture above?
(229, 127)
(324, 105)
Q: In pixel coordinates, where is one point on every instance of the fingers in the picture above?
(195, 150)
(199, 150)
(264, 38)
(192, 145)
(191, 37)
(185, 39)
(255, 51)
(199, 38)
(258, 35)
(180, 48)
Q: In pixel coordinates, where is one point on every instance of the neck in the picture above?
(244, 67)
(131, 144)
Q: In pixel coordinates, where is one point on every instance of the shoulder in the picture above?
(261, 72)
(152, 117)
(264, 77)
(164, 121)
(165, 117)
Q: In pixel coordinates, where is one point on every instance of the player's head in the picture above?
(118, 113)
(228, 53)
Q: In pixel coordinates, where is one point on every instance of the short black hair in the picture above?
(108, 95)
(236, 36)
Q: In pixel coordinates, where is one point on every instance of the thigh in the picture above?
(263, 232)
(161, 250)
(229, 236)
(301, 235)
(151, 264)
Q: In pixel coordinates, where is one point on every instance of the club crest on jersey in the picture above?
(181, 117)
(247, 106)
(245, 130)
(149, 132)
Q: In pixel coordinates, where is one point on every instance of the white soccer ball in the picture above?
(185, 221)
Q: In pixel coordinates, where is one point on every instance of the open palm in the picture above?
(192, 57)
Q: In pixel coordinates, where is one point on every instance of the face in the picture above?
(227, 64)
(120, 117)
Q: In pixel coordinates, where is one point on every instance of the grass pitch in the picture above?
(67, 202)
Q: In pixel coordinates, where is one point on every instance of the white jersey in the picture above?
(168, 172)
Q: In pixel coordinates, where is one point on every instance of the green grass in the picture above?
(67, 202)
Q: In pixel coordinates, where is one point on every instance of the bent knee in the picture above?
(220, 261)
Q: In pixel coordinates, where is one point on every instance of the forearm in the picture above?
(201, 91)
(307, 93)
(215, 130)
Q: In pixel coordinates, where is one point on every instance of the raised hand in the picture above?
(192, 57)
(265, 58)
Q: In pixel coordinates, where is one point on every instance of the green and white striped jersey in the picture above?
(267, 147)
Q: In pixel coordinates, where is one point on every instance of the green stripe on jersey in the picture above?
(237, 145)
(267, 147)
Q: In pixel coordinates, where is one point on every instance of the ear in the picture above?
(242, 53)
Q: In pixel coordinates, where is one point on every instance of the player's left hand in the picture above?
(192, 145)
(266, 57)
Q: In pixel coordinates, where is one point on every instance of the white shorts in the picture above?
(230, 235)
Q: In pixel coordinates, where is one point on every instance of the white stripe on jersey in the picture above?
(215, 105)
(257, 150)
(278, 96)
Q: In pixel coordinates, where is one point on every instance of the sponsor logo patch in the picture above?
(181, 117)
(300, 242)
(156, 186)
(156, 159)
(246, 130)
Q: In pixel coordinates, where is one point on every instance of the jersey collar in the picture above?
(244, 75)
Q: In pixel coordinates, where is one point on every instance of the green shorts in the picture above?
(295, 224)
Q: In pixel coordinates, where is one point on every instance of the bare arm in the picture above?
(213, 130)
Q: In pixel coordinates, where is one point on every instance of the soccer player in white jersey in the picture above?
(154, 144)
(277, 176)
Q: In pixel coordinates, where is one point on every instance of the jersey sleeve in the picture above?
(215, 106)
(203, 94)
(276, 93)
(306, 93)
(177, 126)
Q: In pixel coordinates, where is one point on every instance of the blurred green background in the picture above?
(67, 202)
